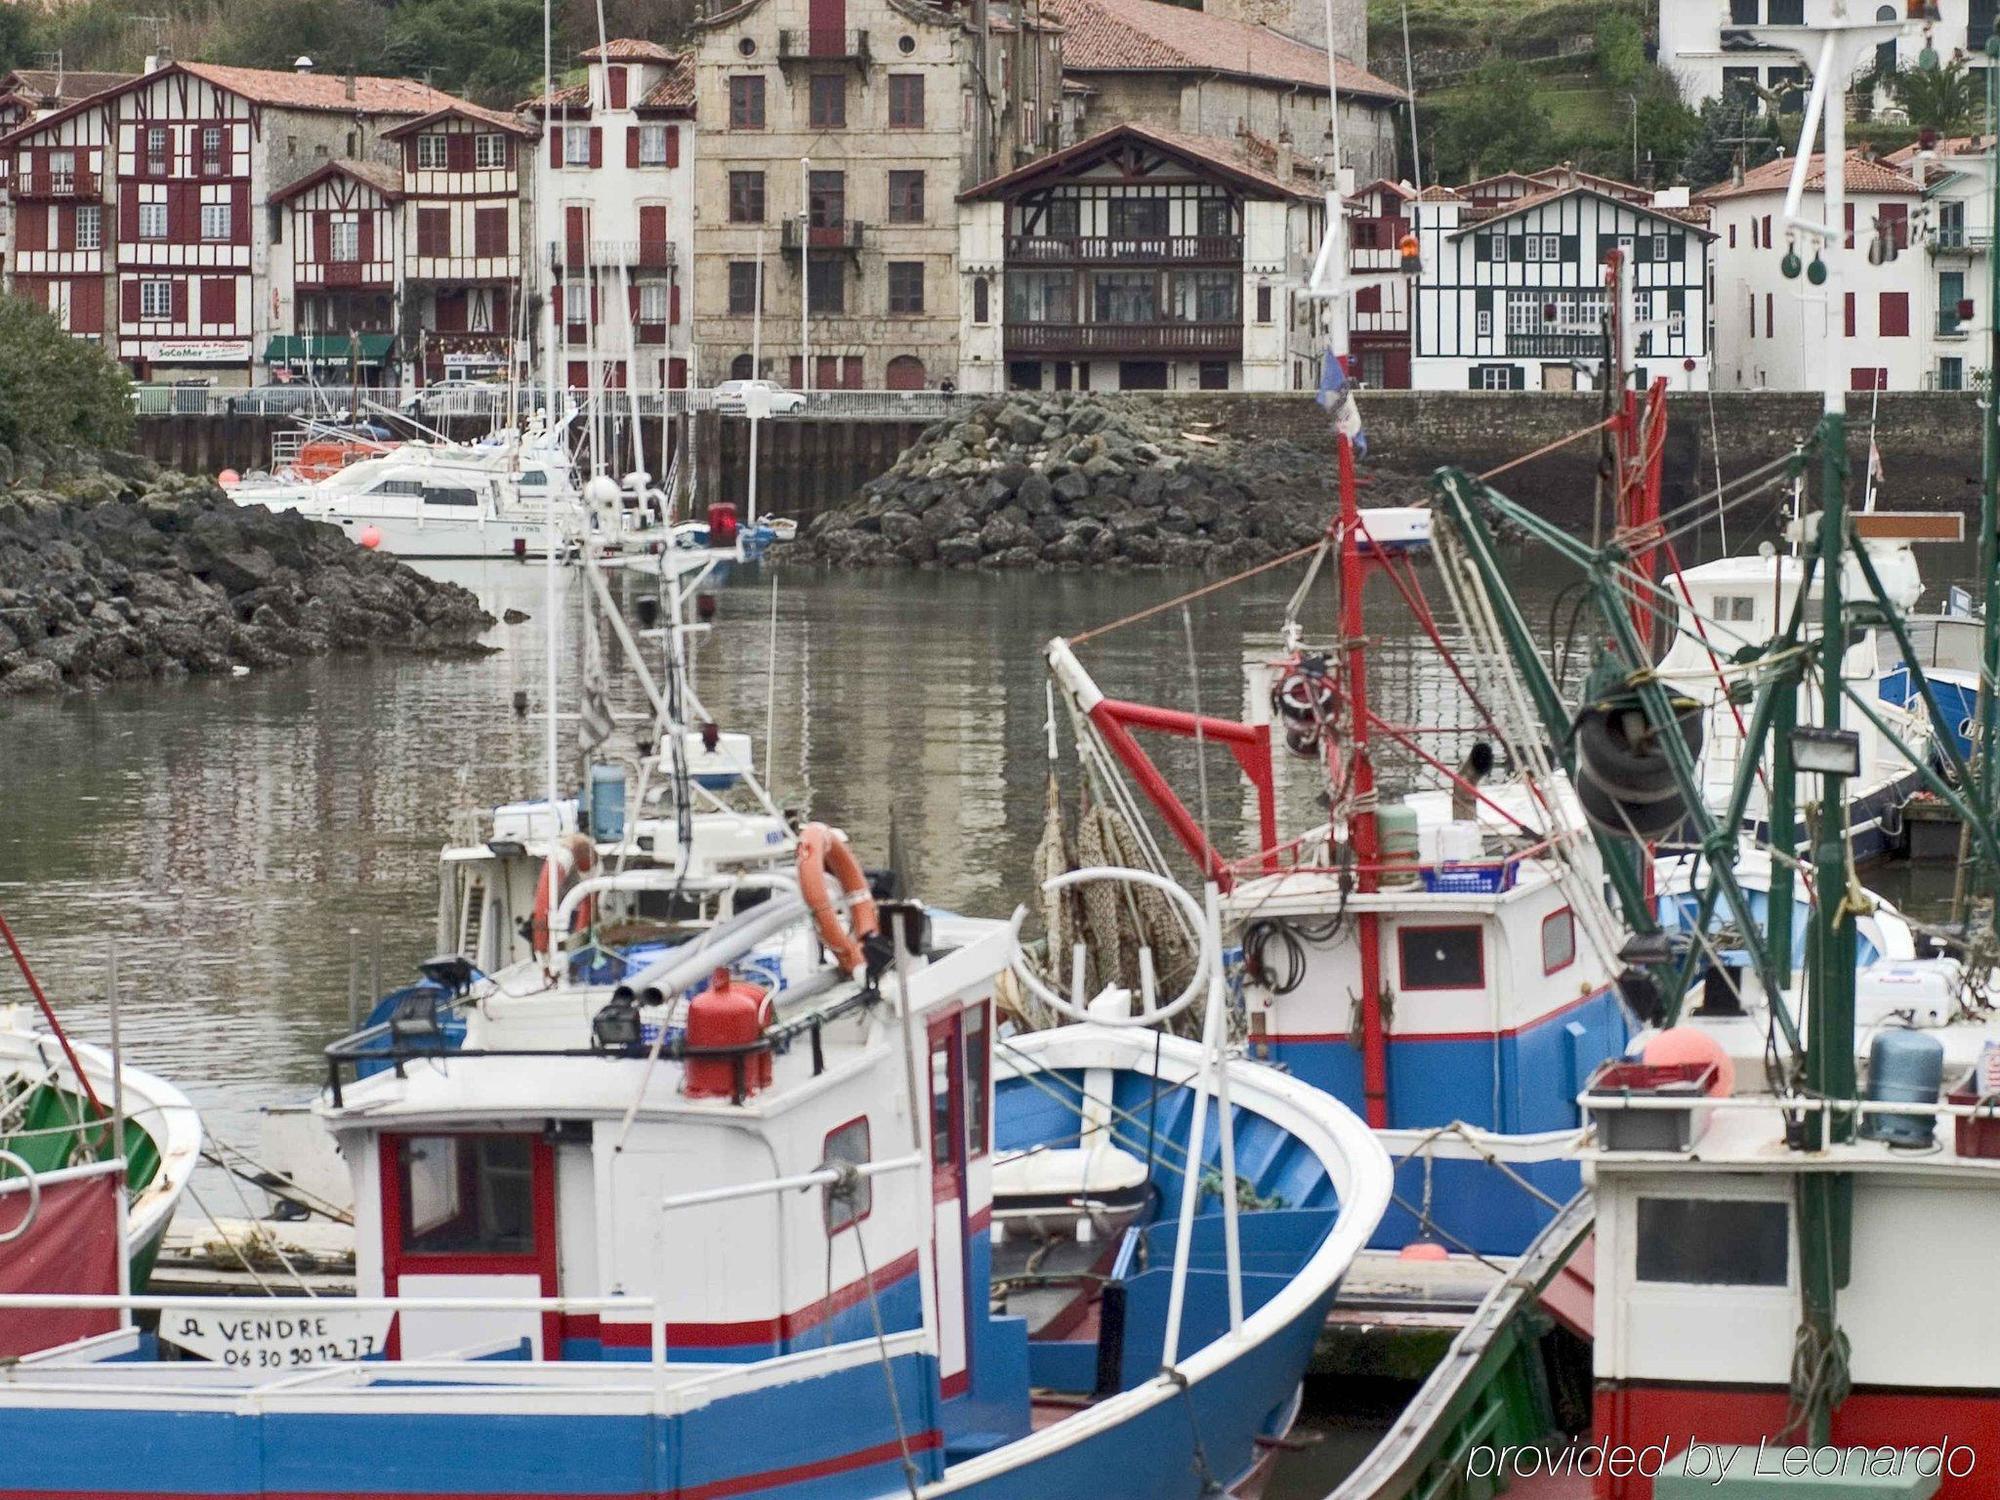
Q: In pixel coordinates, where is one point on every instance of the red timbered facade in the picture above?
(1378, 216)
(63, 226)
(336, 266)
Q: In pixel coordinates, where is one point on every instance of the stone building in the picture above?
(836, 135)
(1219, 73)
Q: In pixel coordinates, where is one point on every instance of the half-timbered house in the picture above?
(1378, 216)
(615, 181)
(1138, 259)
(181, 164)
(334, 270)
(1512, 297)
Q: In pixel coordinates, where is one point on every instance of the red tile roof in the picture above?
(385, 179)
(1863, 176)
(676, 90)
(1226, 158)
(627, 49)
(1124, 36)
(324, 91)
(48, 86)
(1695, 217)
(1957, 145)
(498, 119)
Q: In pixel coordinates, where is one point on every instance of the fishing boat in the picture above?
(670, 1230)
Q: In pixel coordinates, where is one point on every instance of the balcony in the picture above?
(820, 44)
(1951, 326)
(1556, 346)
(1952, 239)
(843, 236)
(56, 185)
(645, 255)
(340, 273)
(1187, 249)
(1162, 338)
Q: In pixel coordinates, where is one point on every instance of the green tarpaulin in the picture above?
(369, 348)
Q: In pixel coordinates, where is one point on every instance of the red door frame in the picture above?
(540, 1261)
(947, 1032)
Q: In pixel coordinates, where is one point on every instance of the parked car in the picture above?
(733, 397)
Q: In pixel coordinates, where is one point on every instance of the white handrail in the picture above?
(820, 1177)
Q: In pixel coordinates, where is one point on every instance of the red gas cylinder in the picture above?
(729, 1013)
(722, 525)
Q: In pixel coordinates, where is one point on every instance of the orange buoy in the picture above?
(819, 848)
(370, 538)
(1690, 1044)
(1423, 1250)
(229, 479)
(574, 855)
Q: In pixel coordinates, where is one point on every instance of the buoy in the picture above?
(370, 538)
(1423, 1250)
(229, 479)
(1690, 1044)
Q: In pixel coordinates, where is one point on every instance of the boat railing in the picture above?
(1487, 875)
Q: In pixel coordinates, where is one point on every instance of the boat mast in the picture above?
(1987, 712)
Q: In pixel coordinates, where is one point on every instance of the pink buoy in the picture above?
(1690, 1044)
(370, 538)
(1423, 1250)
(229, 479)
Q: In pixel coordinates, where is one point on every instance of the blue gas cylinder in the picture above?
(1903, 1066)
(607, 803)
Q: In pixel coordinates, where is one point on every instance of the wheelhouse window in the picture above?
(466, 1194)
(1714, 1241)
(847, 1142)
(1558, 940)
(1441, 958)
(438, 494)
(978, 1079)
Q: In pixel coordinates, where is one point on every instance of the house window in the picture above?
(978, 1070)
(1138, 218)
(211, 150)
(1558, 940)
(653, 145)
(653, 301)
(906, 286)
(1496, 248)
(156, 300)
(1496, 377)
(1950, 224)
(826, 284)
(434, 149)
(826, 200)
(466, 1194)
(1213, 218)
(743, 287)
(489, 150)
(1263, 304)
(1951, 372)
(1544, 247)
(746, 197)
(1659, 247)
(215, 221)
(1064, 218)
(746, 102)
(156, 150)
(576, 145)
(1125, 297)
(742, 368)
(1483, 322)
(90, 226)
(1205, 296)
(1441, 958)
(1714, 1241)
(906, 101)
(576, 302)
(344, 240)
(152, 221)
(849, 1143)
(906, 197)
(827, 104)
(1041, 297)
(982, 300)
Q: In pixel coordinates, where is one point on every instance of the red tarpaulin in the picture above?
(72, 1245)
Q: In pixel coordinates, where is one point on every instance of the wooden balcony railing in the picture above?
(56, 185)
(575, 255)
(1186, 249)
(843, 236)
(1125, 338)
(823, 44)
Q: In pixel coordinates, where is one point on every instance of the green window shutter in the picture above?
(1517, 248)
(1606, 243)
(1642, 248)
(1482, 299)
(1677, 244)
(1472, 379)
(1517, 378)
(1572, 247)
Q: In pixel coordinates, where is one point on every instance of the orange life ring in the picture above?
(819, 847)
(575, 855)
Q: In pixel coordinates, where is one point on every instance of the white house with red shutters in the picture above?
(137, 215)
(614, 185)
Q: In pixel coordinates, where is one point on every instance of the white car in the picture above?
(734, 397)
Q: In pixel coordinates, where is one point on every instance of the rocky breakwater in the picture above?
(112, 571)
(1072, 481)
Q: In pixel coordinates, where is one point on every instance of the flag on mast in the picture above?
(1337, 397)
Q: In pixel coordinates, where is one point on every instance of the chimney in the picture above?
(1284, 163)
(152, 63)
(302, 65)
(350, 88)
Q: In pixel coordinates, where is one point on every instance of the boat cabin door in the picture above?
(469, 1214)
(947, 1081)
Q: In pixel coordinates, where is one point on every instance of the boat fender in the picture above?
(819, 848)
(575, 855)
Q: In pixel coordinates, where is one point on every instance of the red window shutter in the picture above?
(1767, 231)
(555, 145)
(850, 372)
(365, 237)
(597, 145)
(1849, 225)
(239, 213)
(616, 78)
(128, 213)
(128, 298)
(180, 299)
(797, 366)
(653, 234)
(631, 145)
(86, 305)
(1896, 224)
(32, 231)
(322, 237)
(410, 154)
(1770, 318)
(218, 300)
(65, 228)
(1368, 299)
(596, 316)
(673, 145)
(674, 304)
(458, 151)
(579, 375)
(677, 369)
(1895, 315)
(1850, 314)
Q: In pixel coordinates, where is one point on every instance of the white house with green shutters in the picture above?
(1511, 296)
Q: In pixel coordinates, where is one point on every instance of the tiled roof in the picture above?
(1227, 157)
(50, 86)
(572, 96)
(1863, 176)
(1695, 217)
(1957, 145)
(1437, 192)
(1120, 36)
(676, 90)
(324, 91)
(385, 179)
(628, 49)
(498, 119)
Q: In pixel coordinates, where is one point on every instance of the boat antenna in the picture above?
(552, 630)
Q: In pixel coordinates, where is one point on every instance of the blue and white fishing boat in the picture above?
(670, 1231)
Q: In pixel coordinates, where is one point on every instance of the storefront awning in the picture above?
(330, 348)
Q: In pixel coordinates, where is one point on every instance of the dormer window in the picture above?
(433, 151)
(489, 150)
(211, 150)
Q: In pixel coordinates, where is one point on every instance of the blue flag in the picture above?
(1336, 396)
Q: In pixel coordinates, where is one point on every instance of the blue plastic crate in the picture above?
(1468, 880)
